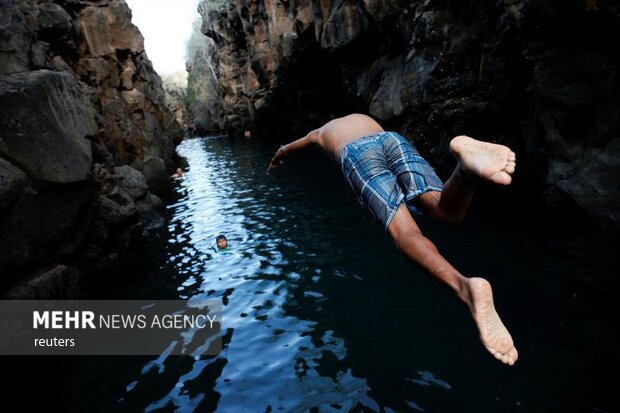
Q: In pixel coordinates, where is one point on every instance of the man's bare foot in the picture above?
(493, 334)
(487, 160)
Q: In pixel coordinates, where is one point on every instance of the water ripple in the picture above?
(271, 352)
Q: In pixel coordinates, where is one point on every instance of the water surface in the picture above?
(322, 314)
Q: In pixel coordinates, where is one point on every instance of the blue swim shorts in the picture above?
(384, 169)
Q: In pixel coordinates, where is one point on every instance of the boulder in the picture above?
(12, 183)
(157, 176)
(116, 208)
(44, 125)
(53, 17)
(152, 211)
(43, 223)
(595, 184)
(131, 180)
(56, 283)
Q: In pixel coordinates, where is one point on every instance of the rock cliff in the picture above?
(85, 141)
(538, 75)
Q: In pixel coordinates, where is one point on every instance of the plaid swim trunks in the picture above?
(384, 169)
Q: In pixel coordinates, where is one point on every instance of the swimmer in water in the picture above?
(178, 173)
(222, 242)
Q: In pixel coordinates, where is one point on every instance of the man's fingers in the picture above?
(271, 167)
(275, 162)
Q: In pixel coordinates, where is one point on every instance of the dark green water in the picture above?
(322, 314)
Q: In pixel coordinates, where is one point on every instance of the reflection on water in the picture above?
(322, 314)
(276, 357)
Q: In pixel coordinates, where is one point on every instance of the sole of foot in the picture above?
(490, 161)
(493, 334)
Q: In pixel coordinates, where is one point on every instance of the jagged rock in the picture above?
(107, 29)
(44, 223)
(593, 185)
(125, 198)
(67, 131)
(153, 211)
(44, 124)
(12, 183)
(176, 100)
(60, 65)
(133, 98)
(343, 25)
(117, 207)
(417, 74)
(59, 282)
(386, 103)
(98, 72)
(129, 71)
(131, 180)
(540, 76)
(15, 39)
(53, 17)
(157, 176)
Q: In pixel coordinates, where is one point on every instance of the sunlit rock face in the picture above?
(540, 76)
(85, 140)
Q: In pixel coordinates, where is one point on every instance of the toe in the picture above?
(512, 156)
(510, 168)
(503, 357)
(514, 354)
(501, 177)
(510, 357)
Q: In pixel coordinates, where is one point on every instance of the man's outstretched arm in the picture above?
(283, 152)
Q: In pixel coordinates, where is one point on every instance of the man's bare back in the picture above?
(336, 134)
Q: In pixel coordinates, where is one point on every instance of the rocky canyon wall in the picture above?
(85, 141)
(538, 75)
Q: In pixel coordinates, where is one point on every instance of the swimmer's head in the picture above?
(221, 241)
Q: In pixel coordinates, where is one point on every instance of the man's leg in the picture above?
(475, 292)
(476, 160)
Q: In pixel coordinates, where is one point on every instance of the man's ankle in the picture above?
(464, 292)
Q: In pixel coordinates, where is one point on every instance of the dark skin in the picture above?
(476, 160)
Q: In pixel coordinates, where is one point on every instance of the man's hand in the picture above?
(277, 160)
